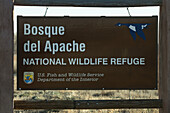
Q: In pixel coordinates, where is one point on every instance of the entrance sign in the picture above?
(87, 53)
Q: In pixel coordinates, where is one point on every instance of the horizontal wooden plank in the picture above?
(52, 104)
(88, 104)
(118, 104)
(89, 3)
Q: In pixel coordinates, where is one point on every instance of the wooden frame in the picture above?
(6, 51)
(88, 104)
(89, 3)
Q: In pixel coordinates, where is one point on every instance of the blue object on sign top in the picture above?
(135, 28)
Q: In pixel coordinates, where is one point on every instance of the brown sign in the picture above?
(87, 53)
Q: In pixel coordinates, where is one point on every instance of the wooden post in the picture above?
(164, 78)
(6, 56)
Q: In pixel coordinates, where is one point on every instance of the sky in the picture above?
(82, 11)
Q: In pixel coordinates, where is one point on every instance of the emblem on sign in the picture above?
(28, 77)
(135, 28)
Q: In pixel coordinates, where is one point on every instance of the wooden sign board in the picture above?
(87, 53)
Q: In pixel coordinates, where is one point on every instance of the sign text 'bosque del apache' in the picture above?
(87, 53)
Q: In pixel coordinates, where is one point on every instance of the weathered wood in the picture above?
(52, 104)
(6, 56)
(89, 3)
(88, 104)
(164, 60)
(116, 104)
